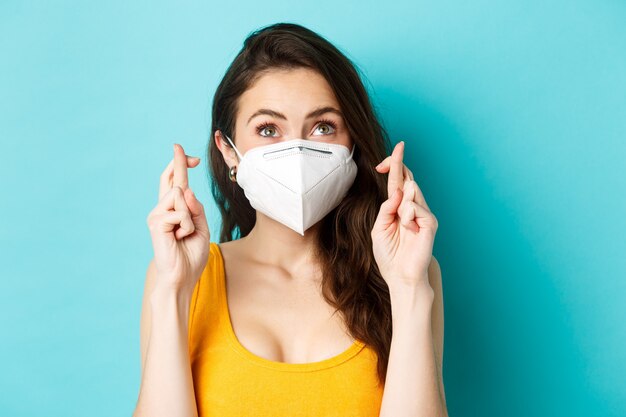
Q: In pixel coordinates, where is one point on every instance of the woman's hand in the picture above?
(404, 231)
(179, 228)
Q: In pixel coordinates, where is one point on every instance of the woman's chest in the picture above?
(284, 321)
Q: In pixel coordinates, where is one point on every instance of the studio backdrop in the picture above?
(514, 118)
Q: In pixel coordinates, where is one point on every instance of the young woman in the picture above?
(325, 248)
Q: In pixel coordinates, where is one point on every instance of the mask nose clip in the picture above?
(300, 148)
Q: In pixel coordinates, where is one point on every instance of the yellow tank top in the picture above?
(230, 381)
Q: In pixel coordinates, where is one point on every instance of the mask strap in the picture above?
(353, 148)
(234, 147)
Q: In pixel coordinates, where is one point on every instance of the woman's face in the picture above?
(284, 105)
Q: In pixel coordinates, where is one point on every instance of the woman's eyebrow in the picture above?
(314, 113)
(327, 109)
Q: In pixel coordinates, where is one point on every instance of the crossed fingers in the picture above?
(400, 177)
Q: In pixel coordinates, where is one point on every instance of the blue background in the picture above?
(514, 114)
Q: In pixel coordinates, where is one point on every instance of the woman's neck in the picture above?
(272, 242)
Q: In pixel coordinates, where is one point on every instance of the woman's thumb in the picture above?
(197, 210)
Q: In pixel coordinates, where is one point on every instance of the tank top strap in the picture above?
(204, 308)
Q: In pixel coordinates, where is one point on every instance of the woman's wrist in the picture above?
(411, 301)
(402, 289)
(166, 299)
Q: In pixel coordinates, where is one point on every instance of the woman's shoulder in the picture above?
(231, 245)
(207, 289)
(233, 249)
(213, 269)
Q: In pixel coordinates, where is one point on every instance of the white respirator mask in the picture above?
(296, 182)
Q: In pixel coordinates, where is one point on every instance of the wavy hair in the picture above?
(351, 281)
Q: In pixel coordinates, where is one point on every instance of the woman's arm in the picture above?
(414, 382)
(166, 381)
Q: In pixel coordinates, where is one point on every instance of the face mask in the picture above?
(296, 182)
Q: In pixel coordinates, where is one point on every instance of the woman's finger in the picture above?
(408, 215)
(416, 194)
(396, 174)
(196, 209)
(387, 213)
(174, 202)
(408, 175)
(180, 168)
(384, 164)
(181, 205)
(167, 222)
(409, 212)
(161, 220)
(166, 179)
(383, 168)
(174, 199)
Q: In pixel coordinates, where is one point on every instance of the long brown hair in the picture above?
(351, 280)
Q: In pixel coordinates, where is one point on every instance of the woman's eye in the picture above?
(264, 131)
(325, 128)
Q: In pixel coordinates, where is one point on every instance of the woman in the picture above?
(316, 221)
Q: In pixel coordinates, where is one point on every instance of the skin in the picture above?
(274, 299)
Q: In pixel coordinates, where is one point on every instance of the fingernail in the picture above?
(175, 147)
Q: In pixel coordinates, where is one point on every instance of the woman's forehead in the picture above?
(288, 91)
